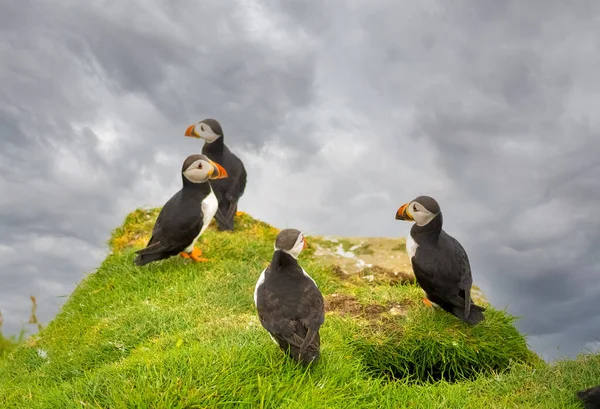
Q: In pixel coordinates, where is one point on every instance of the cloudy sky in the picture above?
(341, 111)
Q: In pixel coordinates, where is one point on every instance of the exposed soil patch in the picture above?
(383, 275)
(349, 305)
(343, 303)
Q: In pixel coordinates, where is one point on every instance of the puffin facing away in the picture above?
(440, 263)
(230, 190)
(186, 215)
(590, 397)
(289, 304)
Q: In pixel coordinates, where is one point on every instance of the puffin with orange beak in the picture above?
(439, 261)
(289, 304)
(186, 215)
(230, 190)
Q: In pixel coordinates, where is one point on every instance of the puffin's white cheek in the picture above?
(423, 218)
(295, 251)
(196, 175)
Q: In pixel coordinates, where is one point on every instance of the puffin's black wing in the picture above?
(177, 225)
(239, 187)
(228, 190)
(462, 266)
(436, 290)
(232, 196)
(293, 321)
(448, 284)
(473, 313)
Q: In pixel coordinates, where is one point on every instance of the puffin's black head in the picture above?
(208, 129)
(198, 169)
(291, 241)
(421, 210)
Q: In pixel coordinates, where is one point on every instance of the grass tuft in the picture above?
(423, 349)
(135, 231)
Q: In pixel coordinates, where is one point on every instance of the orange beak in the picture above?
(305, 244)
(402, 213)
(221, 172)
(190, 131)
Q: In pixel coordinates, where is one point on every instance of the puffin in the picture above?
(439, 261)
(590, 397)
(230, 190)
(288, 301)
(186, 215)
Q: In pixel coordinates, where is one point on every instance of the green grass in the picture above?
(179, 335)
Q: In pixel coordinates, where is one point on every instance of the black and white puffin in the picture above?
(439, 261)
(590, 397)
(230, 190)
(289, 304)
(186, 215)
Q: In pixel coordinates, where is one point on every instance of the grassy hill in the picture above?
(175, 334)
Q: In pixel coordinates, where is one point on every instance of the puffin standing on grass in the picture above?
(439, 261)
(230, 190)
(186, 215)
(289, 304)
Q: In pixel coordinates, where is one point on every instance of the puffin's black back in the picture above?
(291, 308)
(228, 190)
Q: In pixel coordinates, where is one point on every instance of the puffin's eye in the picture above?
(202, 127)
(199, 165)
(415, 208)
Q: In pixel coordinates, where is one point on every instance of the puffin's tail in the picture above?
(310, 353)
(147, 255)
(143, 259)
(590, 397)
(475, 315)
(304, 352)
(152, 252)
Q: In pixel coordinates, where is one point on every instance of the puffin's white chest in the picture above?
(411, 247)
(210, 204)
(261, 279)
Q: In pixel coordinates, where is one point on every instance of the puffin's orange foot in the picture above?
(239, 213)
(195, 255)
(184, 254)
(427, 302)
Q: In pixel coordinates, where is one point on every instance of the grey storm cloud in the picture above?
(342, 111)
